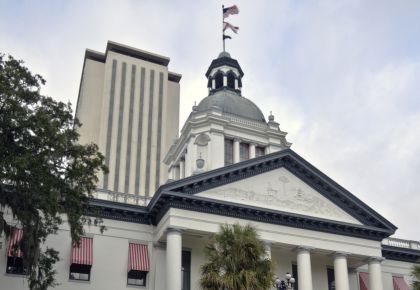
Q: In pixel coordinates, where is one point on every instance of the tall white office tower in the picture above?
(129, 105)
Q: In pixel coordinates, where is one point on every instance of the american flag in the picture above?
(227, 25)
(230, 11)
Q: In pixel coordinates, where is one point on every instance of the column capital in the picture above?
(341, 254)
(302, 248)
(236, 139)
(253, 144)
(267, 243)
(174, 230)
(373, 259)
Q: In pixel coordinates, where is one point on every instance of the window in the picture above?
(259, 151)
(228, 152)
(81, 260)
(15, 266)
(15, 255)
(80, 272)
(231, 80)
(137, 278)
(219, 80)
(331, 279)
(138, 264)
(295, 275)
(244, 151)
(186, 270)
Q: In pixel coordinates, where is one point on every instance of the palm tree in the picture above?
(416, 275)
(236, 260)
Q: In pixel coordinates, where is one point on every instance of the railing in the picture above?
(400, 243)
(121, 197)
(235, 119)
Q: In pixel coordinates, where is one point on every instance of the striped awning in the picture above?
(399, 283)
(138, 257)
(364, 281)
(82, 255)
(12, 250)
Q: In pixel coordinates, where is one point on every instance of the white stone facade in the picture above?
(129, 105)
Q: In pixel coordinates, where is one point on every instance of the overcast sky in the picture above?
(342, 77)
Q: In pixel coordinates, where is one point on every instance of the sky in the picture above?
(341, 77)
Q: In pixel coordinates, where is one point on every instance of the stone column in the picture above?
(182, 169)
(213, 84)
(375, 273)
(341, 272)
(176, 172)
(252, 150)
(267, 247)
(236, 156)
(304, 268)
(225, 81)
(173, 259)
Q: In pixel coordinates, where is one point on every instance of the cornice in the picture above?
(400, 254)
(205, 205)
(118, 211)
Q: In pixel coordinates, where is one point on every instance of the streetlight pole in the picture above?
(289, 284)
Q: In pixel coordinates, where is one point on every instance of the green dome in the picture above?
(232, 103)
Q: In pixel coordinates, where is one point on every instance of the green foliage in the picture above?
(236, 260)
(44, 173)
(416, 277)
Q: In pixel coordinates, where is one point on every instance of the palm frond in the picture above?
(236, 260)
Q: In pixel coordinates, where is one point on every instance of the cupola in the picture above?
(224, 73)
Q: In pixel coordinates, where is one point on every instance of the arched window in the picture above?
(219, 79)
(231, 80)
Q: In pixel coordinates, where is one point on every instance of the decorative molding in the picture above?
(401, 254)
(302, 248)
(279, 190)
(341, 254)
(379, 260)
(194, 203)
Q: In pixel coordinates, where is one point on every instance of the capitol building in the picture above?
(169, 189)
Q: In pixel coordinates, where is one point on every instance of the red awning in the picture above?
(82, 255)
(138, 257)
(12, 251)
(399, 283)
(364, 281)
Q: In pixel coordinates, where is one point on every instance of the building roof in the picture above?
(232, 103)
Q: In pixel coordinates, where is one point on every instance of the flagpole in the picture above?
(223, 33)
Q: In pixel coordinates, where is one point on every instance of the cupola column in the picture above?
(182, 168)
(252, 150)
(236, 155)
(225, 81)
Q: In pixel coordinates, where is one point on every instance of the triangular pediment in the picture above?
(280, 190)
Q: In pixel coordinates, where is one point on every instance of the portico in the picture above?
(311, 263)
